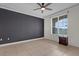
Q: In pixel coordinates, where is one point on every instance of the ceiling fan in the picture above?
(43, 6)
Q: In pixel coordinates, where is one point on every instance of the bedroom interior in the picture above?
(39, 29)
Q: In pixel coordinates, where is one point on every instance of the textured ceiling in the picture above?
(27, 8)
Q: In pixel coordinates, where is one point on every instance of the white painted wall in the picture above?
(73, 30)
(47, 28)
(73, 26)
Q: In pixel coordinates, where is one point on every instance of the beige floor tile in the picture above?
(41, 47)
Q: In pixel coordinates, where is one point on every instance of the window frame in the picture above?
(58, 20)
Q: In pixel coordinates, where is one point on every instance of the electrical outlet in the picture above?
(0, 39)
(8, 38)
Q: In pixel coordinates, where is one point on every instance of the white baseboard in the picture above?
(6, 44)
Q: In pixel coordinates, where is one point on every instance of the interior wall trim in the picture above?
(25, 41)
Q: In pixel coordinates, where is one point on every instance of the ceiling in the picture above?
(27, 8)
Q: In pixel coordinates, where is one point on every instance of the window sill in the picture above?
(60, 35)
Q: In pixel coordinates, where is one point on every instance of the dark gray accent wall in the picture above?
(18, 27)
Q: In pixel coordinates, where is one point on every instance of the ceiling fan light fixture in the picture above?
(43, 8)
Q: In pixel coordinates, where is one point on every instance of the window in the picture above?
(60, 25)
(55, 20)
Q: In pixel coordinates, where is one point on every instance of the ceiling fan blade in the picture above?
(36, 8)
(39, 4)
(48, 8)
(47, 4)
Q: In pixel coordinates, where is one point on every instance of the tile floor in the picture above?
(42, 47)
